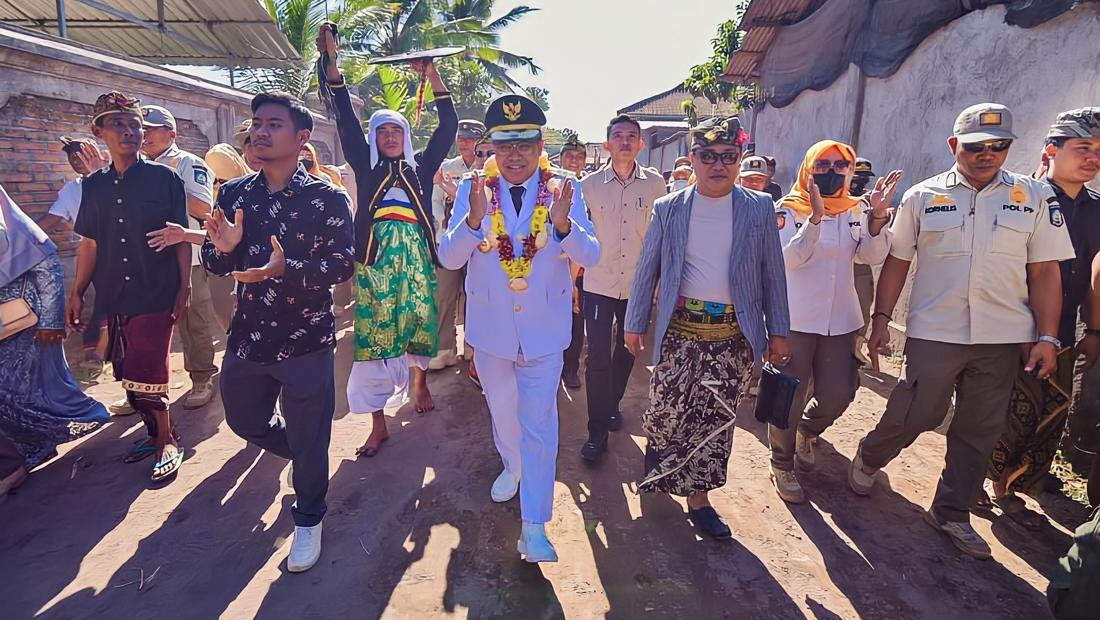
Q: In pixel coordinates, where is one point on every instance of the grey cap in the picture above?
(156, 116)
(469, 128)
(754, 166)
(1079, 123)
(982, 122)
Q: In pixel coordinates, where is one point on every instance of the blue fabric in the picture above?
(758, 280)
(22, 243)
(41, 405)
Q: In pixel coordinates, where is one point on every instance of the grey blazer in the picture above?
(757, 277)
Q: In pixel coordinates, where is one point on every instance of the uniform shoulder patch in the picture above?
(201, 176)
(1056, 218)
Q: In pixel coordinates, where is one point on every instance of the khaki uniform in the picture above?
(198, 327)
(968, 313)
(449, 294)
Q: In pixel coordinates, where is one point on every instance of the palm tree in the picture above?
(299, 20)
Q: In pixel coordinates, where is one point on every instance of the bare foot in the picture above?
(378, 436)
(422, 398)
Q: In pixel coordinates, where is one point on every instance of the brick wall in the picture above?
(32, 165)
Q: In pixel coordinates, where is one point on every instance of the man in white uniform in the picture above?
(197, 326)
(514, 228)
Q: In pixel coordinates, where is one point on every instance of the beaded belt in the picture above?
(704, 320)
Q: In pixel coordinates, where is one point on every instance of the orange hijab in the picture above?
(798, 200)
(325, 172)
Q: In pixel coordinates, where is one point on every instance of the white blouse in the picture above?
(821, 289)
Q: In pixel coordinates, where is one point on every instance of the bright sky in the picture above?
(600, 55)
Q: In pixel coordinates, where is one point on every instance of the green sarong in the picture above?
(395, 309)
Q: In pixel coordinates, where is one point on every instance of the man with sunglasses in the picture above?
(713, 251)
(988, 286)
(515, 227)
(470, 132)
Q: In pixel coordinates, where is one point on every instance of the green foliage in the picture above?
(704, 80)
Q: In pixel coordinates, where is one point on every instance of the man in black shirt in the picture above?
(287, 239)
(141, 291)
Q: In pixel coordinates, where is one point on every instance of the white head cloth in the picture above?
(383, 117)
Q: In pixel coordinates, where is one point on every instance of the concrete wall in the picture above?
(907, 117)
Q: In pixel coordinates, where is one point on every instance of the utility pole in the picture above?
(62, 23)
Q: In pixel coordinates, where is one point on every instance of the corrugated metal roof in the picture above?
(667, 106)
(196, 32)
(761, 24)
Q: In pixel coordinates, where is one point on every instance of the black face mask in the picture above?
(308, 163)
(829, 183)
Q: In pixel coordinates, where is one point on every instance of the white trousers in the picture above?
(375, 385)
(523, 403)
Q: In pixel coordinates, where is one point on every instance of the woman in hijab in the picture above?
(41, 405)
(824, 231)
(396, 323)
(308, 158)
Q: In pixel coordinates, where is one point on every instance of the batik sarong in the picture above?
(138, 348)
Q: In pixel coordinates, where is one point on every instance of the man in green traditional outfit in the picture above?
(396, 318)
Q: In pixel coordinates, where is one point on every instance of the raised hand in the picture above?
(275, 267)
(559, 210)
(817, 203)
(92, 158)
(326, 44)
(225, 235)
(479, 204)
(883, 194)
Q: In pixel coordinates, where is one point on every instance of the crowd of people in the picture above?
(539, 263)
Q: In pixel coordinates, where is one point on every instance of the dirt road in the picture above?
(412, 533)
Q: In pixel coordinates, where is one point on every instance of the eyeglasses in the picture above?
(825, 165)
(708, 157)
(997, 146)
(523, 148)
(484, 154)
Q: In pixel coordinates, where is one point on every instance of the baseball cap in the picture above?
(469, 128)
(156, 116)
(863, 167)
(754, 166)
(1079, 123)
(984, 121)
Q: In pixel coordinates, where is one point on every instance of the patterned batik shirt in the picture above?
(291, 315)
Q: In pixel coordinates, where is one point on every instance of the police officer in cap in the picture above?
(862, 178)
(512, 227)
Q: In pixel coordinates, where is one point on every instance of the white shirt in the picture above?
(454, 169)
(67, 204)
(972, 249)
(821, 290)
(706, 275)
(197, 182)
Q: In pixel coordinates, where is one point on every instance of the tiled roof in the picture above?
(666, 106)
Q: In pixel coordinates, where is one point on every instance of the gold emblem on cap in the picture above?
(512, 111)
(989, 118)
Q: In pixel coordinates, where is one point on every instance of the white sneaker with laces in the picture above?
(787, 486)
(505, 487)
(804, 456)
(305, 549)
(200, 395)
(533, 546)
(121, 407)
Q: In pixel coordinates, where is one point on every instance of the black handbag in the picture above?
(773, 402)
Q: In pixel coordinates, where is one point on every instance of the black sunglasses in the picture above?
(484, 154)
(997, 146)
(709, 157)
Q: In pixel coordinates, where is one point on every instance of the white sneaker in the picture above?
(860, 479)
(786, 485)
(305, 550)
(444, 359)
(804, 456)
(505, 487)
(200, 394)
(533, 546)
(121, 407)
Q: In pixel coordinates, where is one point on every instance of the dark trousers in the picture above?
(306, 389)
(608, 365)
(11, 458)
(572, 355)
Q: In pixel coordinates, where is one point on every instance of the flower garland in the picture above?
(518, 268)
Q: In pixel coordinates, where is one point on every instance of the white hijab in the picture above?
(383, 117)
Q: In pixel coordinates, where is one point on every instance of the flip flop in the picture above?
(1016, 509)
(372, 450)
(167, 466)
